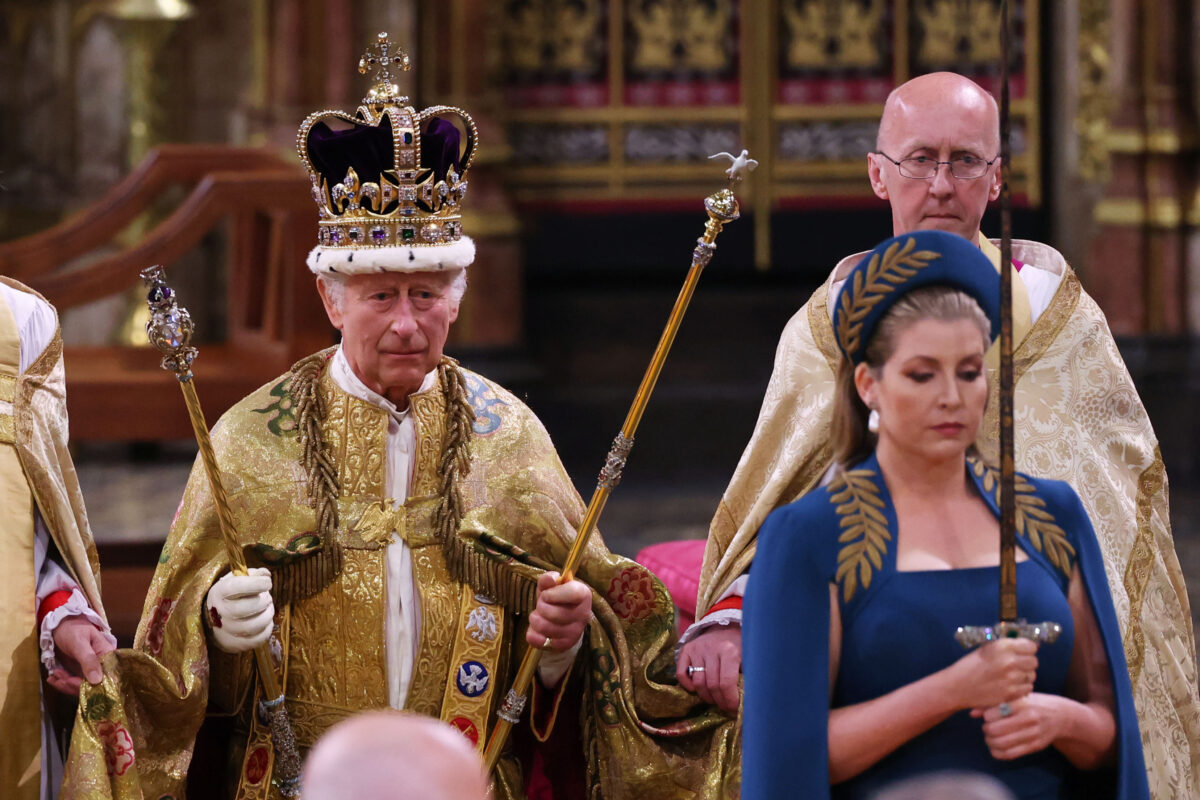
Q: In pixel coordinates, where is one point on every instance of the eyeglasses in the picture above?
(923, 168)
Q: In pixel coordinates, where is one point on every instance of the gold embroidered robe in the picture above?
(1078, 419)
(643, 735)
(35, 472)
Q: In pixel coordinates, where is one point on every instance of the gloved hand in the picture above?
(239, 610)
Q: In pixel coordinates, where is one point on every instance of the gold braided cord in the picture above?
(466, 563)
(310, 575)
(237, 561)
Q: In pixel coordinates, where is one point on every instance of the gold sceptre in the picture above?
(722, 208)
(170, 329)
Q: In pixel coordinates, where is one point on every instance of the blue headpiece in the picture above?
(904, 263)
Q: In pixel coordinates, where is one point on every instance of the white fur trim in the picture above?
(421, 258)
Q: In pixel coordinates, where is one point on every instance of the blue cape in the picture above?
(786, 631)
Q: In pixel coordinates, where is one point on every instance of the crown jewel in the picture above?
(388, 177)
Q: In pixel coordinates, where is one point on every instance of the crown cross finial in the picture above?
(383, 56)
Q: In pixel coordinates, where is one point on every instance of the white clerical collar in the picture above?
(350, 383)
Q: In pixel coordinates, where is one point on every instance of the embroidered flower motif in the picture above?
(631, 593)
(118, 747)
(158, 622)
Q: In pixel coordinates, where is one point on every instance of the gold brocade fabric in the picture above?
(644, 736)
(1078, 418)
(20, 705)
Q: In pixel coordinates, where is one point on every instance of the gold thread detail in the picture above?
(1141, 559)
(8, 388)
(1033, 521)
(864, 528)
(822, 327)
(308, 576)
(867, 289)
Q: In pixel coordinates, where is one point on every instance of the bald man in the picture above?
(392, 755)
(1078, 419)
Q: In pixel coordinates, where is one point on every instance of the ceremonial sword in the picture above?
(170, 329)
(1010, 625)
(722, 207)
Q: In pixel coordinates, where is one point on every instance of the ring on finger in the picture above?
(692, 670)
(1005, 709)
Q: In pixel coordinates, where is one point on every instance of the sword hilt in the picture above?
(974, 635)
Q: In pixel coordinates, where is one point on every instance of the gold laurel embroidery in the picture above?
(880, 279)
(1032, 519)
(864, 528)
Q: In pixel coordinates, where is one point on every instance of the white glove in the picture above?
(240, 611)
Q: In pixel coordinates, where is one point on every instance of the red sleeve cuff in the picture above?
(53, 600)
(734, 601)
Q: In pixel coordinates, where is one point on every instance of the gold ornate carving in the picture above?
(1032, 519)
(862, 294)
(957, 32)
(1095, 95)
(831, 34)
(553, 35)
(677, 34)
(864, 528)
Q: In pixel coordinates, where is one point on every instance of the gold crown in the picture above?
(373, 189)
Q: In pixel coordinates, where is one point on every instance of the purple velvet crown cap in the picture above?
(369, 150)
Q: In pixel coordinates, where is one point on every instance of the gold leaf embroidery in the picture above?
(1032, 519)
(864, 528)
(881, 278)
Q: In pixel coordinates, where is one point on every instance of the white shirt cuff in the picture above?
(724, 617)
(553, 666)
(76, 606)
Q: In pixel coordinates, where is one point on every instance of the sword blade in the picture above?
(1008, 531)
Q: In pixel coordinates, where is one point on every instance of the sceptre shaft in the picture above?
(722, 207)
(1010, 625)
(170, 329)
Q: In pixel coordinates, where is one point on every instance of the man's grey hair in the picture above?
(335, 287)
(947, 786)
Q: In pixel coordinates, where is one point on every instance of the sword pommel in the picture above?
(170, 326)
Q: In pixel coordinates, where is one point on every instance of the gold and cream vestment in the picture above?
(642, 734)
(1078, 418)
(41, 510)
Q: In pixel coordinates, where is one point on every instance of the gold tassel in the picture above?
(466, 564)
(310, 575)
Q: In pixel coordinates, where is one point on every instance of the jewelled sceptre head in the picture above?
(170, 329)
(170, 326)
(721, 207)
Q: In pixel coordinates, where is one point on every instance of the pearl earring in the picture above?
(873, 421)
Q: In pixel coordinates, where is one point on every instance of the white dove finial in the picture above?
(739, 165)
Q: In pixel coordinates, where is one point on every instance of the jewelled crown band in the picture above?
(388, 180)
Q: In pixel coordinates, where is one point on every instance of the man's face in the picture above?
(394, 326)
(942, 126)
